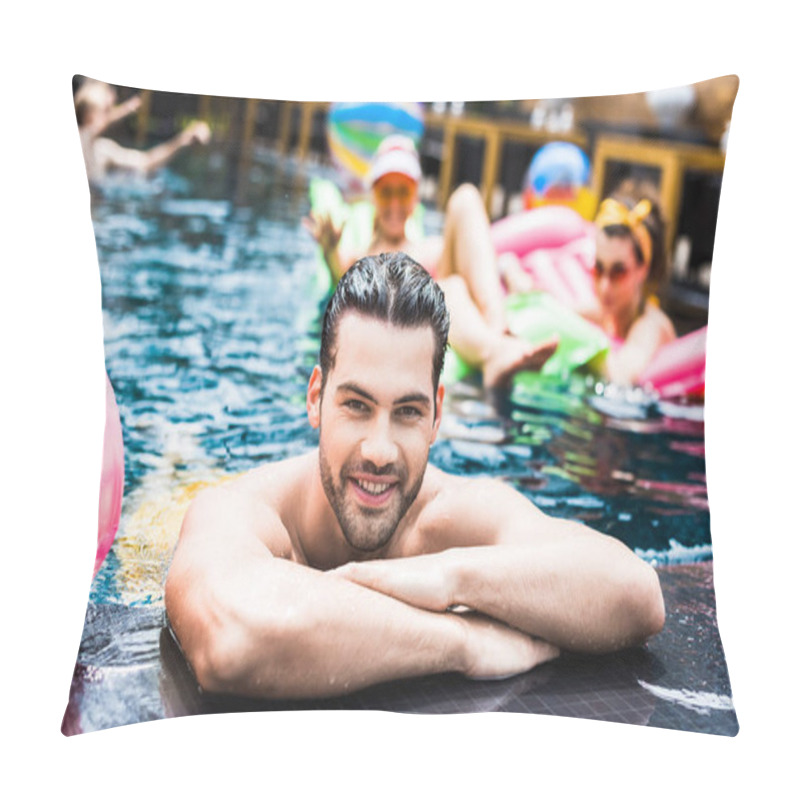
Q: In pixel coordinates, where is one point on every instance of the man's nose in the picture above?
(378, 446)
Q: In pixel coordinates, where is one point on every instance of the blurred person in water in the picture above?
(462, 261)
(96, 109)
(629, 257)
(358, 562)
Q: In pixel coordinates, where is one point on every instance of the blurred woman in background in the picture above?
(630, 256)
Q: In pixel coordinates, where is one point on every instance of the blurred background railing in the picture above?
(672, 140)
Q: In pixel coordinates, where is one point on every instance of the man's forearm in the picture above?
(303, 633)
(592, 598)
(585, 593)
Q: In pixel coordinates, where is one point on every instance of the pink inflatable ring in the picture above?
(112, 480)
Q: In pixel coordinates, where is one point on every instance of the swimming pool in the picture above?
(211, 325)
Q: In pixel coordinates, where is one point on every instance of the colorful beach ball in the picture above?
(559, 175)
(356, 129)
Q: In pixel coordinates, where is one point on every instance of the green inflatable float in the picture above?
(535, 316)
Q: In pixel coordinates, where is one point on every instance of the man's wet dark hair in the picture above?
(393, 288)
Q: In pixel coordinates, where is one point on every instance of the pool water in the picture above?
(211, 324)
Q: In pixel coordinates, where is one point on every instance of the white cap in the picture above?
(396, 154)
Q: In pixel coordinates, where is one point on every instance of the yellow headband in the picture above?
(612, 212)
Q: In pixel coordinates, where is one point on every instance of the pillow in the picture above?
(213, 292)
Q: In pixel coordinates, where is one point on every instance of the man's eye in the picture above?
(355, 405)
(409, 412)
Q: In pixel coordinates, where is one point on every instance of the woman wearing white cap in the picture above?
(463, 261)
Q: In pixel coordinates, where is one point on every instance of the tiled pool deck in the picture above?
(129, 670)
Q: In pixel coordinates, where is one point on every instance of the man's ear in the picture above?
(438, 411)
(314, 396)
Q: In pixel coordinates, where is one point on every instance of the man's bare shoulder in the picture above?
(256, 506)
(463, 511)
(276, 482)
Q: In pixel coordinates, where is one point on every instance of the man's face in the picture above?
(378, 419)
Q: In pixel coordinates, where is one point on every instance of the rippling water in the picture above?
(211, 330)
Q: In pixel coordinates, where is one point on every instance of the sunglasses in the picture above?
(387, 193)
(616, 272)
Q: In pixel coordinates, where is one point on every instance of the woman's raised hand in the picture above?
(325, 233)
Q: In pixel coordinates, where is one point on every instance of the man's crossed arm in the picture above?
(252, 623)
(570, 600)
(554, 579)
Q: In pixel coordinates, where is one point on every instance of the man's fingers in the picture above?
(344, 571)
(496, 650)
(544, 651)
(410, 583)
(356, 573)
(370, 577)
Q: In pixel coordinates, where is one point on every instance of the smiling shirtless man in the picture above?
(358, 562)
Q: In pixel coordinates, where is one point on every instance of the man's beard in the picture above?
(364, 528)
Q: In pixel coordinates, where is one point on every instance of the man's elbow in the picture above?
(645, 603)
(219, 662)
(233, 656)
(198, 632)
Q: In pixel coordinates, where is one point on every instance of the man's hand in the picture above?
(421, 581)
(325, 233)
(494, 650)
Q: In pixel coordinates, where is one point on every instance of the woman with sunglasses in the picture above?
(629, 256)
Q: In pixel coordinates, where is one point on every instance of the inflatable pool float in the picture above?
(559, 175)
(549, 227)
(536, 317)
(565, 272)
(112, 479)
(555, 246)
(356, 129)
(678, 369)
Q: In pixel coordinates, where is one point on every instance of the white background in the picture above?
(52, 384)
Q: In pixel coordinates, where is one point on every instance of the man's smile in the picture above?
(372, 490)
